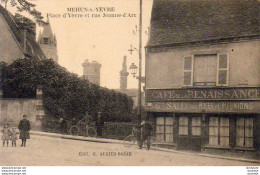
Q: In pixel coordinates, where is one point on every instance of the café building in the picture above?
(203, 75)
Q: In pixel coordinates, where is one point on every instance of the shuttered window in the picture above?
(223, 70)
(188, 71)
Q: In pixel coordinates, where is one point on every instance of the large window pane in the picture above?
(160, 121)
(169, 138)
(183, 121)
(244, 132)
(159, 129)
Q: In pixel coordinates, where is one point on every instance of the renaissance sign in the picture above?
(198, 107)
(248, 93)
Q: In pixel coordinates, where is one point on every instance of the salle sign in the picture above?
(198, 107)
(250, 93)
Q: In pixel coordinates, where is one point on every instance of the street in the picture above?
(48, 151)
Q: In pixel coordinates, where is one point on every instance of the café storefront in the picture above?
(202, 119)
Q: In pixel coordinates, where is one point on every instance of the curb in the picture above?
(102, 140)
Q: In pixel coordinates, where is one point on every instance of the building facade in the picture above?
(15, 41)
(203, 75)
(91, 71)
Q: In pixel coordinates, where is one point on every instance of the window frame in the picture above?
(219, 126)
(164, 128)
(216, 83)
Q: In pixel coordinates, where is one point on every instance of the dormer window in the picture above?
(45, 40)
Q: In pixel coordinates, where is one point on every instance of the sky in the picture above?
(102, 39)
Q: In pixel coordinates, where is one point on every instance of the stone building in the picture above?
(48, 43)
(91, 71)
(18, 43)
(203, 75)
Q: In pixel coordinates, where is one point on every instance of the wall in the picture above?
(9, 49)
(12, 110)
(164, 68)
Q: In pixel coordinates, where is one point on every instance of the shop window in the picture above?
(206, 70)
(196, 126)
(183, 126)
(244, 132)
(219, 131)
(164, 129)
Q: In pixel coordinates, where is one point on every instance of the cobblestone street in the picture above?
(48, 151)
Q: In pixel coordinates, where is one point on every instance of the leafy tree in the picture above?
(64, 94)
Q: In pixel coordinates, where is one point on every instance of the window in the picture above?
(164, 129)
(45, 40)
(196, 126)
(183, 125)
(206, 70)
(244, 132)
(219, 131)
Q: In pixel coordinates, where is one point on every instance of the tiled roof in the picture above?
(182, 21)
(33, 49)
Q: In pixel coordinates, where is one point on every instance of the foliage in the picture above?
(24, 6)
(64, 94)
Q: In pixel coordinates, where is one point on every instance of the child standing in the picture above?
(13, 136)
(6, 134)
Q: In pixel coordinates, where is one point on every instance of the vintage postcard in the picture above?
(129, 83)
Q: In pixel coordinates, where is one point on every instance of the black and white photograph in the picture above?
(134, 83)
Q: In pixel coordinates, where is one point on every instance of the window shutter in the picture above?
(188, 71)
(223, 70)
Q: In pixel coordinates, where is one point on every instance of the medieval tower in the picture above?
(123, 75)
(91, 71)
(48, 43)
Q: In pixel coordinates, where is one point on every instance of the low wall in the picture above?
(12, 110)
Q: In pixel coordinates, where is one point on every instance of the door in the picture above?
(189, 133)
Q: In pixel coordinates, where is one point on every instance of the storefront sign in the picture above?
(203, 94)
(199, 107)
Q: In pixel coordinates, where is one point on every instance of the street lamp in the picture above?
(133, 69)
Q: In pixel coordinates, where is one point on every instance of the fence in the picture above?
(111, 130)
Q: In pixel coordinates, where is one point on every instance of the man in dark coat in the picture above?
(63, 126)
(100, 125)
(24, 127)
(146, 132)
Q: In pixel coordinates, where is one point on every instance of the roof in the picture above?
(33, 49)
(182, 21)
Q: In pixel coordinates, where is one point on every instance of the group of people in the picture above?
(11, 134)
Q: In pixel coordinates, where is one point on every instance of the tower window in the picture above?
(45, 40)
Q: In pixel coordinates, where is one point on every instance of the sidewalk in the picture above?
(113, 141)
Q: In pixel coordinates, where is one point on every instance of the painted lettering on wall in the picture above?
(205, 106)
(203, 94)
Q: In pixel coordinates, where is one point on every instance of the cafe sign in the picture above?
(248, 93)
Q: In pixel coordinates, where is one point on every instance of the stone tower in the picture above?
(91, 71)
(123, 75)
(48, 43)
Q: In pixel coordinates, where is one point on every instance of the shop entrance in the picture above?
(189, 132)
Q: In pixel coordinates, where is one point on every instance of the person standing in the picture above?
(146, 132)
(99, 125)
(6, 134)
(63, 126)
(24, 127)
(13, 136)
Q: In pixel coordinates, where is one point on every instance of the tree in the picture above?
(25, 6)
